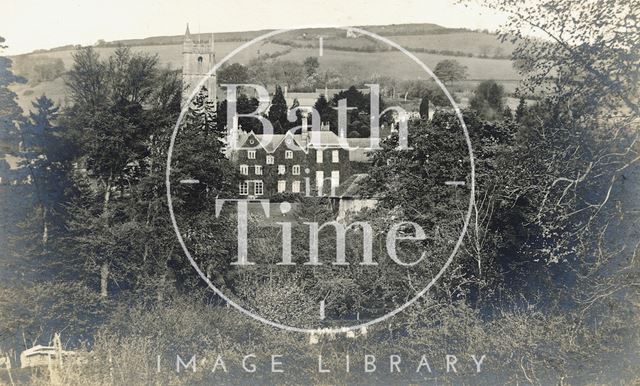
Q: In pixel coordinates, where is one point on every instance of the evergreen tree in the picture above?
(48, 156)
(278, 112)
(506, 113)
(521, 110)
(323, 108)
(358, 117)
(354, 98)
(10, 112)
(200, 154)
(244, 105)
(424, 107)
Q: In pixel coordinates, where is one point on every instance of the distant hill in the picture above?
(482, 52)
(415, 34)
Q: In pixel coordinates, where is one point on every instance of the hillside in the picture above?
(383, 30)
(483, 54)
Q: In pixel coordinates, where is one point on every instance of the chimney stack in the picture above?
(304, 131)
(233, 133)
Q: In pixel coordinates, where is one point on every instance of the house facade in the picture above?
(311, 163)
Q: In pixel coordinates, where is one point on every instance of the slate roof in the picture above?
(317, 139)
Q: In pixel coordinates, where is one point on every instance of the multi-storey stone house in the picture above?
(307, 163)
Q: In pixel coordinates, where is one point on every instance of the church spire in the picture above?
(187, 34)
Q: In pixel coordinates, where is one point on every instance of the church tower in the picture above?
(198, 58)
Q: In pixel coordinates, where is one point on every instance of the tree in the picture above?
(200, 154)
(487, 100)
(109, 126)
(10, 112)
(235, 73)
(355, 98)
(521, 110)
(425, 88)
(590, 51)
(416, 88)
(48, 157)
(506, 113)
(358, 113)
(424, 107)
(292, 73)
(244, 105)
(323, 108)
(278, 112)
(311, 65)
(41, 123)
(409, 184)
(450, 70)
(579, 140)
(86, 80)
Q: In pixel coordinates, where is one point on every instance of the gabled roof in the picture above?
(249, 141)
(317, 139)
(290, 141)
(270, 142)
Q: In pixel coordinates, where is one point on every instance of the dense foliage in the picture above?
(546, 278)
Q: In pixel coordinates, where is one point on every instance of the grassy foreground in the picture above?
(522, 346)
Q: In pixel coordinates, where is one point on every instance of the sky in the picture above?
(29, 24)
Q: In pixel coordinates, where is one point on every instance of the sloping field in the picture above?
(397, 64)
(475, 43)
